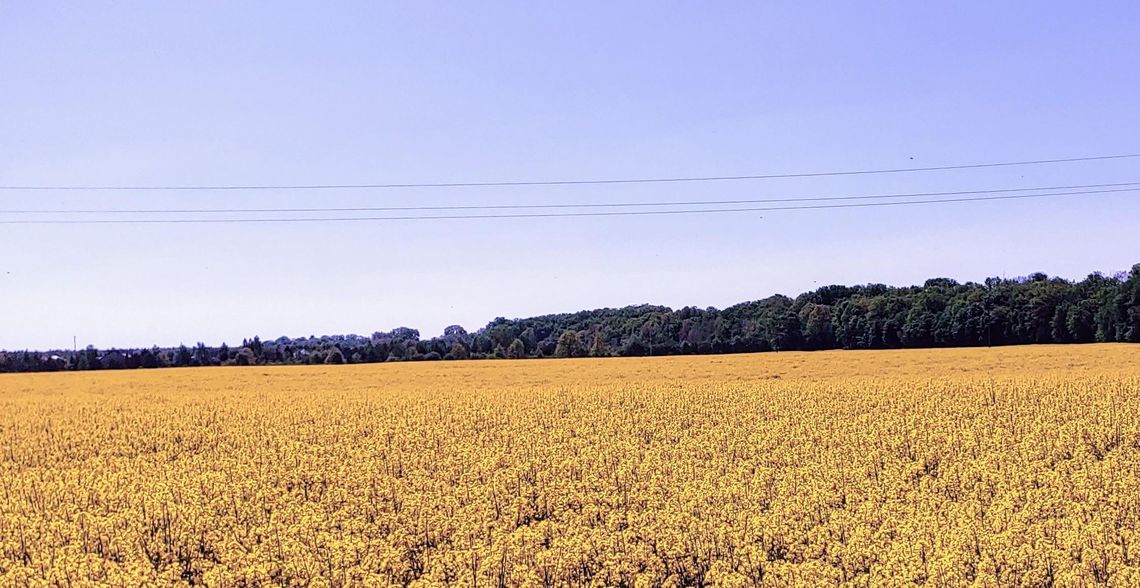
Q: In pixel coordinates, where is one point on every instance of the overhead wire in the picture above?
(557, 214)
(643, 180)
(94, 211)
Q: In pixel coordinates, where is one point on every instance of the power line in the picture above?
(575, 182)
(548, 206)
(551, 214)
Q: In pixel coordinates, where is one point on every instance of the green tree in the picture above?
(569, 345)
(458, 351)
(1129, 301)
(516, 350)
(245, 356)
(817, 330)
(92, 356)
(598, 347)
(148, 359)
(335, 356)
(183, 357)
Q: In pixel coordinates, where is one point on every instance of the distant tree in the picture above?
(1081, 322)
(569, 345)
(784, 331)
(500, 331)
(147, 359)
(1059, 325)
(245, 356)
(516, 350)
(335, 356)
(458, 351)
(183, 356)
(1129, 303)
(454, 332)
(529, 339)
(633, 347)
(598, 347)
(816, 326)
(482, 344)
(91, 355)
(202, 356)
(114, 360)
(917, 330)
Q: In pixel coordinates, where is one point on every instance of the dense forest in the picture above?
(940, 313)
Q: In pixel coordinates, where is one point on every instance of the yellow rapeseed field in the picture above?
(986, 467)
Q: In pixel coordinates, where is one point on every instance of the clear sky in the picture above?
(349, 92)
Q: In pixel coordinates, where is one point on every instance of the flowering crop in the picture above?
(990, 467)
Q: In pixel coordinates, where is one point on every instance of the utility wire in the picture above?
(548, 206)
(575, 182)
(550, 214)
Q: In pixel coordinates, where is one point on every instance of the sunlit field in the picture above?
(991, 467)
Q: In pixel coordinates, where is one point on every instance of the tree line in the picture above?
(940, 313)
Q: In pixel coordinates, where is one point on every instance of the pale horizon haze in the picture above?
(220, 93)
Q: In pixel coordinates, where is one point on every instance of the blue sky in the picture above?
(349, 92)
